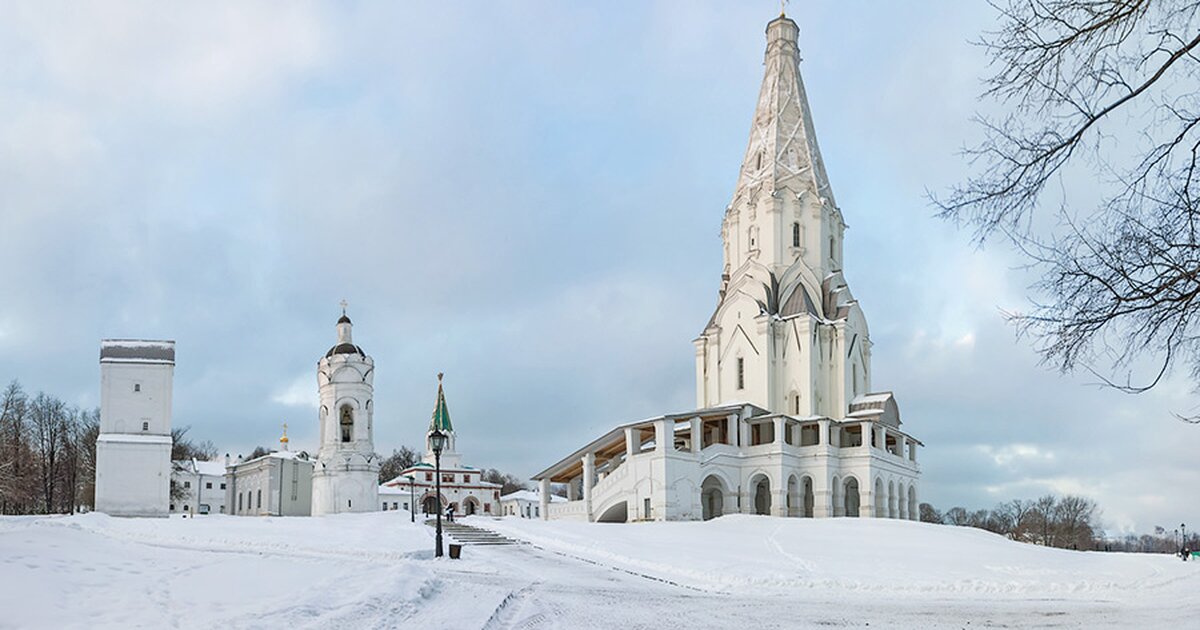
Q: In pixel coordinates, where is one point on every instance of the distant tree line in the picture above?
(1161, 541)
(1067, 522)
(47, 453)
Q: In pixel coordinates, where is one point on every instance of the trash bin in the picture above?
(455, 551)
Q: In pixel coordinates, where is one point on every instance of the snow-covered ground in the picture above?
(377, 570)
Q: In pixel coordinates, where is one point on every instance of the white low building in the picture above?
(276, 484)
(395, 498)
(202, 487)
(462, 487)
(525, 503)
(787, 341)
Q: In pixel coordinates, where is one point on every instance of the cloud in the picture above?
(301, 392)
(1015, 454)
(139, 57)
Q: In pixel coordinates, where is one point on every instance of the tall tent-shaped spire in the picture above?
(441, 414)
(440, 421)
(782, 151)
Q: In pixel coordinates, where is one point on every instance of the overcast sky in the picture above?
(528, 197)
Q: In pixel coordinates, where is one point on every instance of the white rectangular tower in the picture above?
(133, 451)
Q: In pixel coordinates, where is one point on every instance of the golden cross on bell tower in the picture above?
(344, 305)
(782, 6)
(283, 439)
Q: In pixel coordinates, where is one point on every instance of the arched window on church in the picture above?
(741, 373)
(796, 234)
(796, 404)
(832, 254)
(347, 423)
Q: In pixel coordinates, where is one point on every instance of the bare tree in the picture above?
(957, 516)
(86, 432)
(929, 514)
(508, 483)
(49, 432)
(183, 448)
(15, 458)
(1119, 277)
(400, 460)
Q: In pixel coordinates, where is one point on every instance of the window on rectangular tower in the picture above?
(795, 235)
(741, 373)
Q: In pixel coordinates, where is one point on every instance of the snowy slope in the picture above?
(738, 551)
(377, 571)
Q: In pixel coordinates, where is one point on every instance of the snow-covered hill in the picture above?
(739, 551)
(377, 570)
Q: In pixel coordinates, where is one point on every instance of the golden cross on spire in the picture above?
(344, 305)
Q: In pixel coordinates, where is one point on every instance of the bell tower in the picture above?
(346, 472)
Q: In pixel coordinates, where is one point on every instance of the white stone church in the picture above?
(462, 487)
(787, 423)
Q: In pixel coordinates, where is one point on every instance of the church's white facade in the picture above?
(133, 450)
(787, 423)
(345, 475)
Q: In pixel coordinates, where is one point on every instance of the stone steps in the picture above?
(471, 535)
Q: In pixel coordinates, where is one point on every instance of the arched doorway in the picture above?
(761, 486)
(712, 497)
(809, 500)
(793, 496)
(470, 506)
(429, 505)
(851, 496)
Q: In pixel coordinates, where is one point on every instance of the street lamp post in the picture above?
(437, 440)
(412, 497)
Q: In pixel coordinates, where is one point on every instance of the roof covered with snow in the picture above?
(137, 351)
(532, 496)
(619, 430)
(210, 468)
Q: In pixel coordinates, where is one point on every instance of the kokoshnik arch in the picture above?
(786, 423)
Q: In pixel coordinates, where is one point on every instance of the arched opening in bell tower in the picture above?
(347, 424)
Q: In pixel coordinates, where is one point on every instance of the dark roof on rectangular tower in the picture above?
(137, 351)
